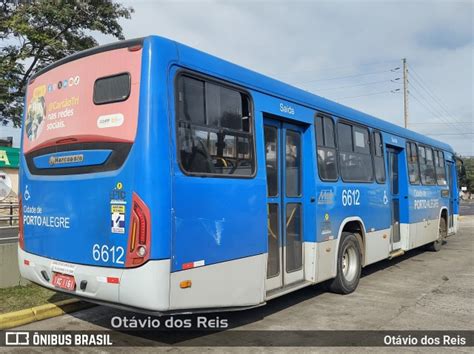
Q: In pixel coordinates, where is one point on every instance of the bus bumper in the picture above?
(145, 287)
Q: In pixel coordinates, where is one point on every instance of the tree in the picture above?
(34, 34)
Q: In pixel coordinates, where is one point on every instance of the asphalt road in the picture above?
(466, 207)
(8, 235)
(420, 290)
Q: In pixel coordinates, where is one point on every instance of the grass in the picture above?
(23, 297)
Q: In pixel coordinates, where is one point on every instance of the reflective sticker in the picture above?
(199, 263)
(117, 215)
(117, 209)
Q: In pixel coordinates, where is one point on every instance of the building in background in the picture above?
(9, 132)
(9, 161)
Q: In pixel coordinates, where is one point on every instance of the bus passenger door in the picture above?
(284, 166)
(450, 167)
(393, 172)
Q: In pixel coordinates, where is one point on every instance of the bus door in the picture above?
(452, 191)
(393, 156)
(284, 166)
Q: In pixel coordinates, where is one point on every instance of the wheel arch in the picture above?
(444, 214)
(352, 223)
(443, 211)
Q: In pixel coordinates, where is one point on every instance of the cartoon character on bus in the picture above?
(35, 117)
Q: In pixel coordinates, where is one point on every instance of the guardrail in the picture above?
(8, 214)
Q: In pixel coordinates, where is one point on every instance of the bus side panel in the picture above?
(219, 228)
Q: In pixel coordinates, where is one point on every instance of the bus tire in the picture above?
(348, 265)
(436, 245)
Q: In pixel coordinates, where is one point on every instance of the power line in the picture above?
(435, 115)
(440, 134)
(415, 87)
(435, 123)
(343, 77)
(369, 94)
(435, 98)
(431, 108)
(335, 68)
(357, 85)
(428, 107)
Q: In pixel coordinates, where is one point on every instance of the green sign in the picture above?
(9, 157)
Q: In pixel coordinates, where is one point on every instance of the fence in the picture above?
(8, 214)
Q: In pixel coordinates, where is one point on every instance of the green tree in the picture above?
(34, 34)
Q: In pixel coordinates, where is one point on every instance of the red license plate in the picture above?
(64, 281)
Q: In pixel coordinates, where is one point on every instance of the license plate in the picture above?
(63, 281)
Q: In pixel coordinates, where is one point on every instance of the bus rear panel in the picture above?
(85, 185)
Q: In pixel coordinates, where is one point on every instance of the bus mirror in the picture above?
(461, 170)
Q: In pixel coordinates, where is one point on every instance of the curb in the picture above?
(42, 312)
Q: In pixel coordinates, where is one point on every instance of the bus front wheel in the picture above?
(348, 265)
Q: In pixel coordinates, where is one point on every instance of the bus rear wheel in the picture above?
(436, 245)
(348, 265)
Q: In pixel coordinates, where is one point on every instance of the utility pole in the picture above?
(405, 92)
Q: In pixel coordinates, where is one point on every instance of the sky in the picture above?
(344, 50)
(341, 50)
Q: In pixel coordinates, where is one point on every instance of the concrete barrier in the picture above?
(9, 272)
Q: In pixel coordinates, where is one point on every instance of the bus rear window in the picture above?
(70, 101)
(112, 89)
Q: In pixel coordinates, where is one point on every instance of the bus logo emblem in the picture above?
(56, 160)
(326, 196)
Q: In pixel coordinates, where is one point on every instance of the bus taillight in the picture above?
(138, 250)
(21, 235)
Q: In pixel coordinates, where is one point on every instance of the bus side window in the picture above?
(440, 168)
(214, 130)
(379, 162)
(355, 160)
(326, 148)
(412, 159)
(426, 165)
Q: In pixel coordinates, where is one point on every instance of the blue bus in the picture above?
(158, 178)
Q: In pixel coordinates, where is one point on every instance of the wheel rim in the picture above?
(349, 263)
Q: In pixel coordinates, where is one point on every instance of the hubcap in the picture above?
(349, 263)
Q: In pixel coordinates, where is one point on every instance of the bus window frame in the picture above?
(419, 164)
(418, 183)
(374, 155)
(182, 71)
(322, 116)
(439, 151)
(352, 124)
